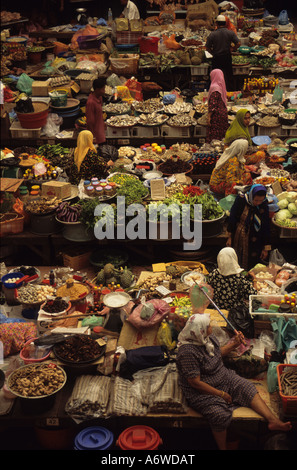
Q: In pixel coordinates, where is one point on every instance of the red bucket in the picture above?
(34, 120)
(139, 438)
(148, 44)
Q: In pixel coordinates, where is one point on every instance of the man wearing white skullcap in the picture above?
(218, 44)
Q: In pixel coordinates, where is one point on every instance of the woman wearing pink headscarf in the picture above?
(217, 107)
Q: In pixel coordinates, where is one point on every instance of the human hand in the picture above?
(264, 254)
(226, 397)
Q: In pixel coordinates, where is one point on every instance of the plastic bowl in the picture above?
(24, 353)
(262, 140)
(11, 285)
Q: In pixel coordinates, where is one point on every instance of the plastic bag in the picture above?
(277, 94)
(24, 84)
(135, 88)
(240, 318)
(164, 336)
(161, 310)
(169, 99)
(52, 126)
(276, 257)
(283, 17)
(272, 383)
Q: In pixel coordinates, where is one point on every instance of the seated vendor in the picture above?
(210, 387)
(87, 162)
(130, 11)
(230, 168)
(230, 285)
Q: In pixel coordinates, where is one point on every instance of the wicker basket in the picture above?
(11, 223)
(123, 65)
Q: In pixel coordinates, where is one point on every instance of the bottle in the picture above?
(52, 278)
(109, 17)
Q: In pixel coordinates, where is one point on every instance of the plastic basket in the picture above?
(123, 65)
(13, 225)
(128, 37)
(89, 42)
(289, 402)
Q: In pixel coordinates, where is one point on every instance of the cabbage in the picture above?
(292, 208)
(283, 214)
(292, 196)
(283, 203)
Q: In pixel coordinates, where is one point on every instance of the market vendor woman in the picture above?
(230, 168)
(209, 387)
(249, 226)
(87, 162)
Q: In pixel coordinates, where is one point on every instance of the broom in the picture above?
(199, 303)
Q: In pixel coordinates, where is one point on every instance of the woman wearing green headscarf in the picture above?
(230, 170)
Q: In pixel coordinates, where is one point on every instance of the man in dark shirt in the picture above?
(219, 44)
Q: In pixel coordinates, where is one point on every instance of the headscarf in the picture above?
(195, 332)
(237, 149)
(84, 144)
(237, 130)
(218, 84)
(228, 262)
(249, 197)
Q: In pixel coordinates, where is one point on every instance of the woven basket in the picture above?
(11, 223)
(125, 65)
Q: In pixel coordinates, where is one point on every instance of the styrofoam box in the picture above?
(200, 131)
(170, 131)
(291, 130)
(17, 131)
(241, 70)
(199, 69)
(114, 132)
(269, 130)
(267, 300)
(145, 131)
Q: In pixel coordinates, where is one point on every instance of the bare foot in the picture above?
(278, 425)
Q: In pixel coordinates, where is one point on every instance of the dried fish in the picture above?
(123, 120)
(117, 108)
(178, 107)
(182, 120)
(148, 106)
(153, 119)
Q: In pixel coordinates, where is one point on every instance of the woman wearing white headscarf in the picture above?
(229, 282)
(208, 386)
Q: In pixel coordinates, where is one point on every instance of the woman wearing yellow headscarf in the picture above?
(87, 162)
(230, 170)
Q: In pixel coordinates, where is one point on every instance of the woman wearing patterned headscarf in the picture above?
(209, 387)
(249, 226)
(230, 170)
(229, 282)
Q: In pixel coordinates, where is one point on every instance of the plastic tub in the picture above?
(58, 97)
(36, 119)
(94, 438)
(139, 438)
(9, 289)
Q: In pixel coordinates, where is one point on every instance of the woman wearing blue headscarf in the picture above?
(249, 226)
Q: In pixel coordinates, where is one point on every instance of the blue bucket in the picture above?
(94, 438)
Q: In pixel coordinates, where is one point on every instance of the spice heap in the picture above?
(73, 290)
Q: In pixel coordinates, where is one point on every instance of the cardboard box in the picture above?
(59, 189)
(40, 87)
(77, 259)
